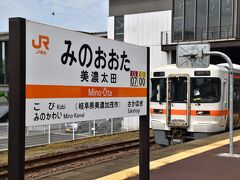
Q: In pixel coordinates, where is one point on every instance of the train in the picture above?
(192, 103)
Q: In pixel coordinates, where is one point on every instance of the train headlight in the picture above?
(203, 113)
(157, 111)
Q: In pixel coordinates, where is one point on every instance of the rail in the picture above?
(50, 161)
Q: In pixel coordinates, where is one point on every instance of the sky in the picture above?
(81, 15)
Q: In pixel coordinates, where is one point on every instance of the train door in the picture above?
(178, 101)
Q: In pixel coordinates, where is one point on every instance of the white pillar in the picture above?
(73, 132)
(49, 134)
(94, 128)
(111, 125)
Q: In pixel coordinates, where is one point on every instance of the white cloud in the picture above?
(85, 15)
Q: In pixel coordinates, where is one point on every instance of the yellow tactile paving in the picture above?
(134, 171)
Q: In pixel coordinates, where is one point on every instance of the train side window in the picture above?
(225, 94)
(236, 91)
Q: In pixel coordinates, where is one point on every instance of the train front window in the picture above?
(205, 90)
(177, 89)
(158, 90)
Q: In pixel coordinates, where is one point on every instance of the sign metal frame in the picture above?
(72, 76)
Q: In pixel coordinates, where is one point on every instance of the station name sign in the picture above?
(73, 76)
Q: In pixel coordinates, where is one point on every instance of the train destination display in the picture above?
(72, 76)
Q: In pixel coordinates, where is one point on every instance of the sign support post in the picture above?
(144, 133)
(197, 56)
(17, 56)
(224, 56)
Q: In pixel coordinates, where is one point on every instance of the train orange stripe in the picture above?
(236, 76)
(151, 111)
(194, 112)
(58, 91)
(219, 112)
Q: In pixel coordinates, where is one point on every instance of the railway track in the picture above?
(62, 158)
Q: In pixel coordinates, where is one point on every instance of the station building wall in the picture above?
(145, 29)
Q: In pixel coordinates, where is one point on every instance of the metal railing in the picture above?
(211, 34)
(40, 135)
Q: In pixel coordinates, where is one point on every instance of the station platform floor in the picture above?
(197, 159)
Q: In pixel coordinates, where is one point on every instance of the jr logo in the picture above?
(43, 41)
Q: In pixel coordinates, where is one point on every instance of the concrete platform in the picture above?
(192, 160)
(203, 166)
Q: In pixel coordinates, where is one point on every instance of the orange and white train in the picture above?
(192, 103)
